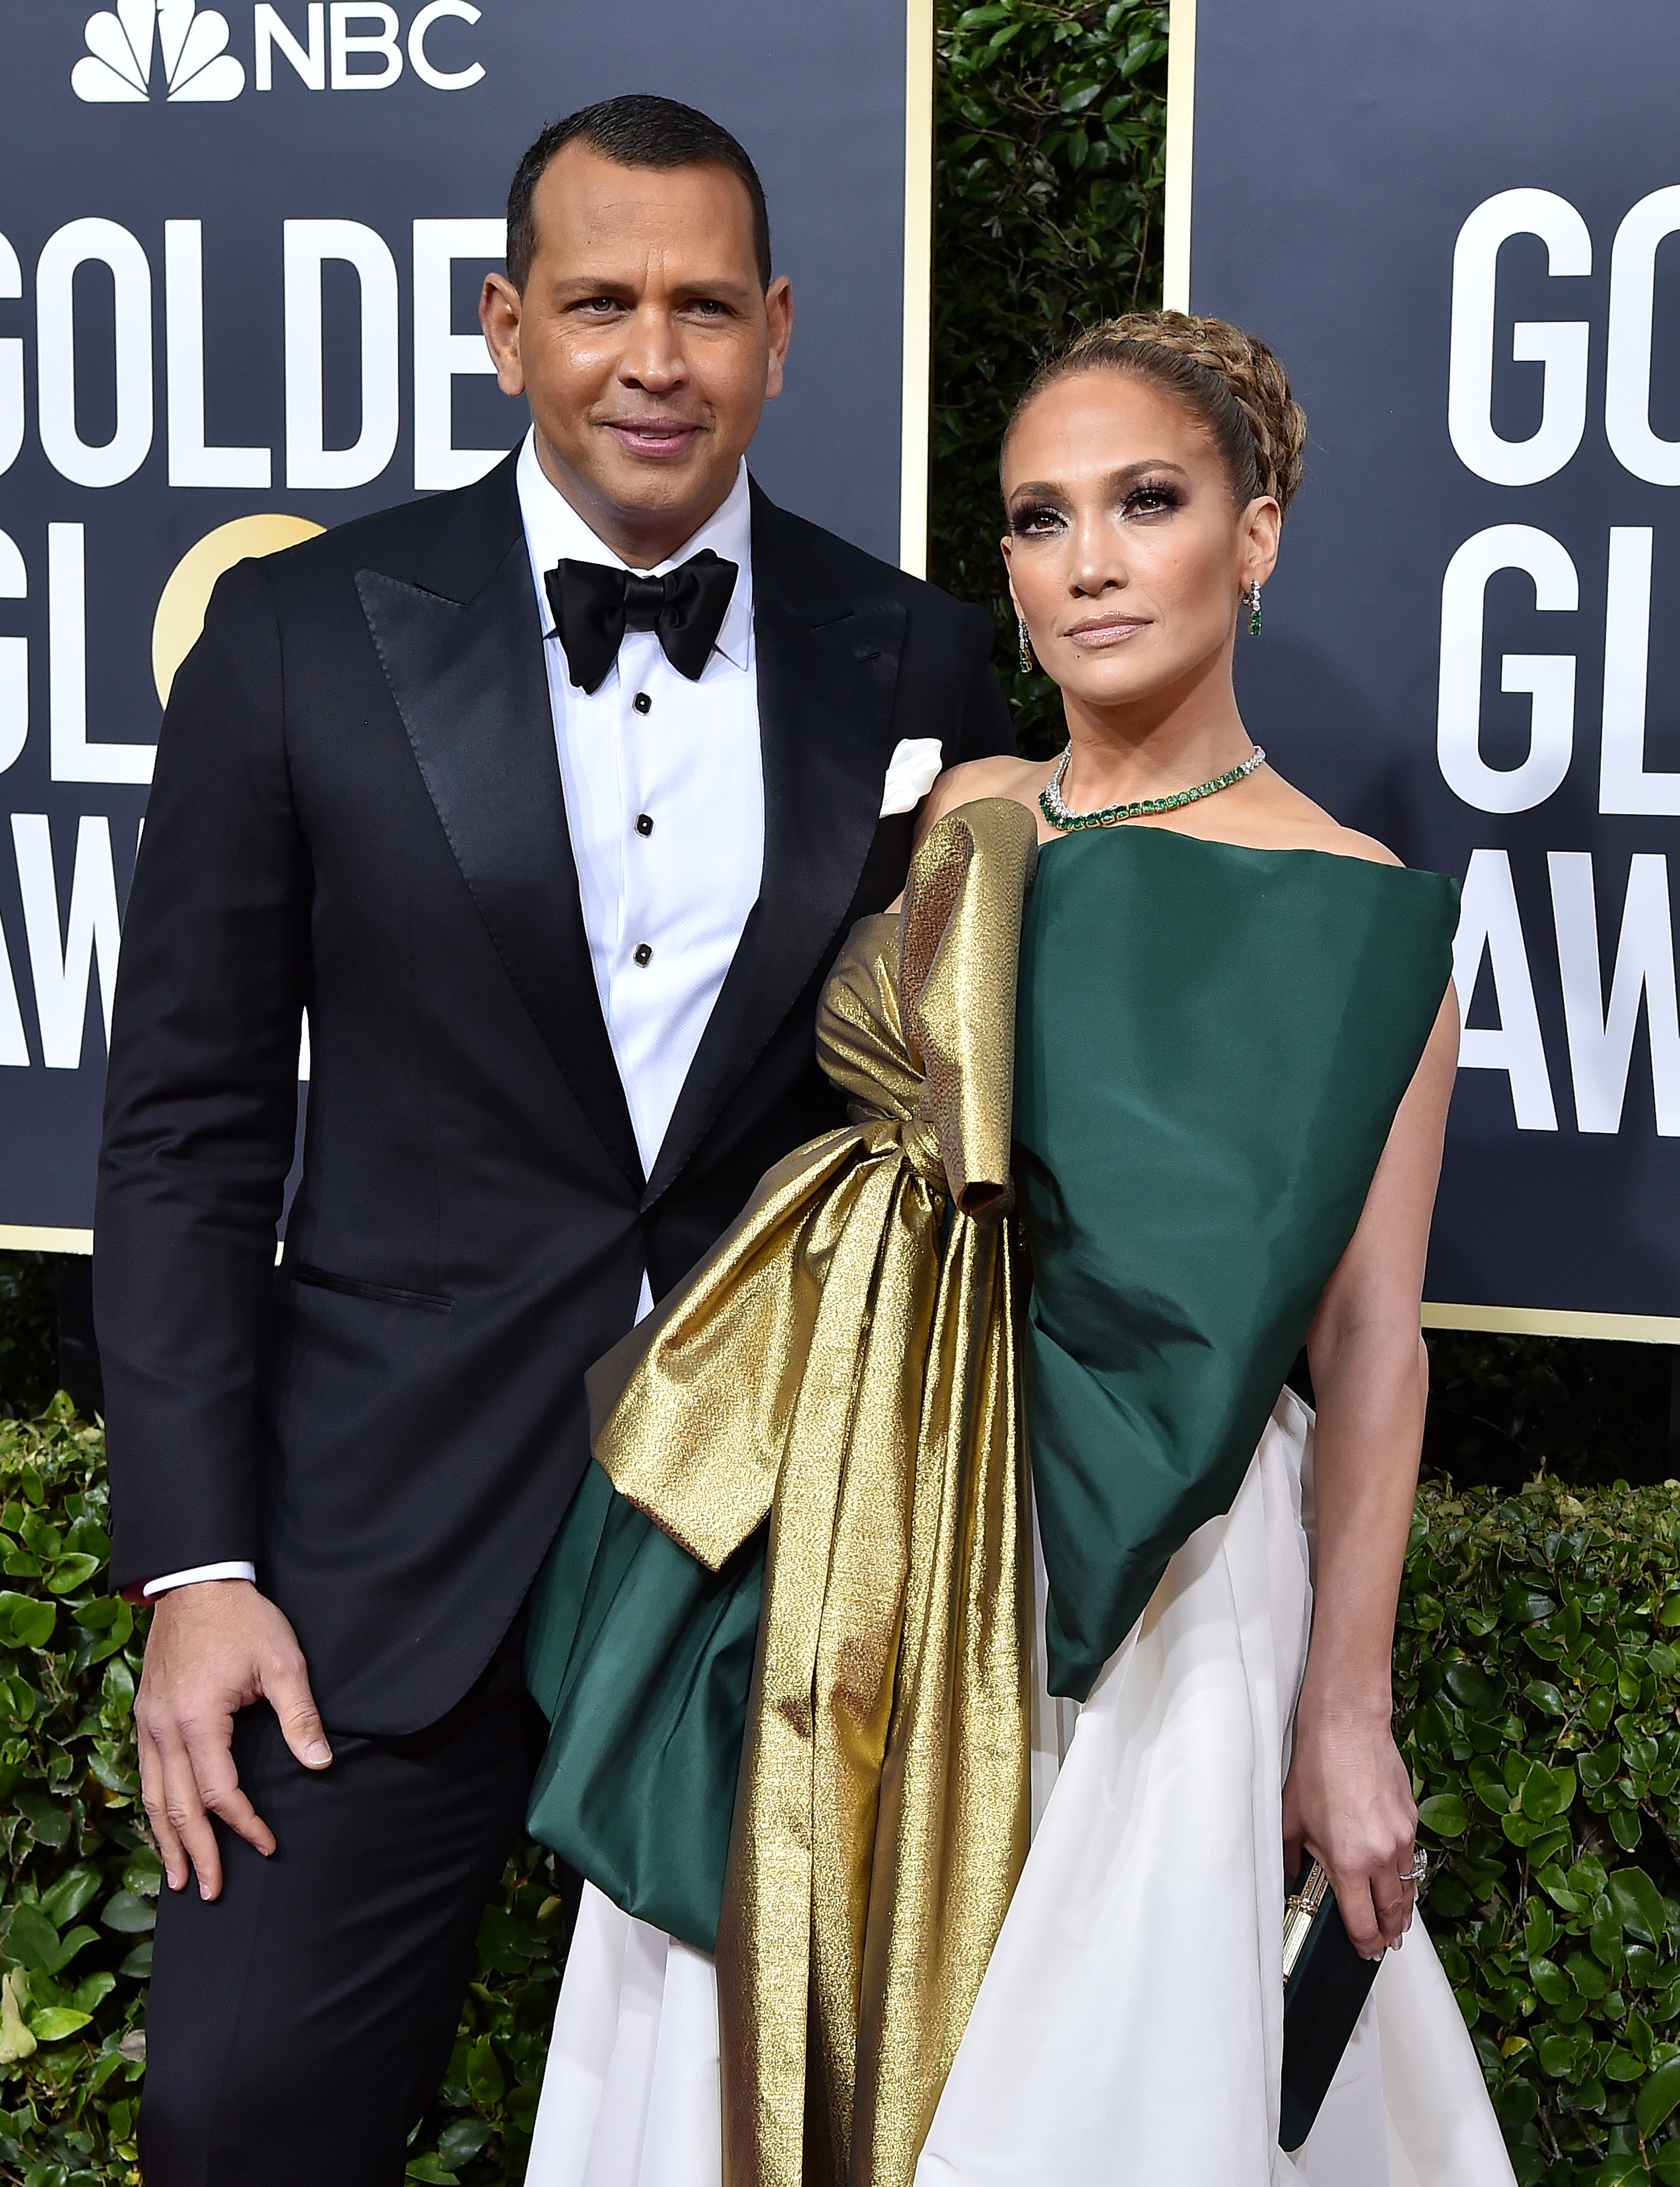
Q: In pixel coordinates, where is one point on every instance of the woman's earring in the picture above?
(1027, 662)
(1252, 597)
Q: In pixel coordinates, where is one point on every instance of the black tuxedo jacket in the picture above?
(357, 808)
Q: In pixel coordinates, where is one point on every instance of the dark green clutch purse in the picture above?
(1326, 1983)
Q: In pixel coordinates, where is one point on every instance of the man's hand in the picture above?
(215, 1647)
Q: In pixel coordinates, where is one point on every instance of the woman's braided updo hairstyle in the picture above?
(1230, 383)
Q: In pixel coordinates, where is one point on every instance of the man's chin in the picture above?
(660, 486)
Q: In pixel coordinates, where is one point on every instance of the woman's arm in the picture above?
(1348, 1799)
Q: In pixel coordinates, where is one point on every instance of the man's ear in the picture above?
(778, 310)
(501, 309)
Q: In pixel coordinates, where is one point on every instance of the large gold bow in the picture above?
(846, 1363)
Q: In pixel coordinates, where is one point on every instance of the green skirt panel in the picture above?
(642, 1660)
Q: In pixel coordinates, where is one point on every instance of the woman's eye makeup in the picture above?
(1151, 497)
(1035, 519)
(1144, 497)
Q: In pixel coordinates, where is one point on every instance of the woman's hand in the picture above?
(1347, 1801)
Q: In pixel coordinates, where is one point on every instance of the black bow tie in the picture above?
(593, 606)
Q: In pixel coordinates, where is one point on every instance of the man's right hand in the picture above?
(216, 1646)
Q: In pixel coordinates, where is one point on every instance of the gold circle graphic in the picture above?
(180, 610)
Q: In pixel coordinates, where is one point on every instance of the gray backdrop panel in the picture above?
(816, 93)
(1338, 151)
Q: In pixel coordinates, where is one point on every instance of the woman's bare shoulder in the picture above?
(1296, 823)
(1017, 778)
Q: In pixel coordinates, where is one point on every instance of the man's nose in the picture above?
(652, 357)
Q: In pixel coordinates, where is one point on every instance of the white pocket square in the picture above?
(911, 773)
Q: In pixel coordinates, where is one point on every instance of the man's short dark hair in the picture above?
(638, 131)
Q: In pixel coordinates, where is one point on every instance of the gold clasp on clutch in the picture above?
(1300, 1912)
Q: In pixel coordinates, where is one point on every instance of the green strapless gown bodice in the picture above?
(1211, 1045)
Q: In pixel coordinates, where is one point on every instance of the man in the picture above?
(552, 800)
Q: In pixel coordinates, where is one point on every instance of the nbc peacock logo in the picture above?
(190, 42)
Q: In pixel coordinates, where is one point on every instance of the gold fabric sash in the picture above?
(845, 1363)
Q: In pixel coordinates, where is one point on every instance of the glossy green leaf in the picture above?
(70, 1572)
(459, 2144)
(92, 1991)
(55, 2022)
(128, 1914)
(1545, 1696)
(1639, 1903)
(1516, 2103)
(1552, 1881)
(1546, 1792)
(71, 1892)
(26, 1621)
(142, 1874)
(1586, 1974)
(1471, 1688)
(1523, 1605)
(31, 1940)
(484, 2077)
(1445, 1814)
(1658, 2097)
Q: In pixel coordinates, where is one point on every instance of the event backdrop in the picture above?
(1459, 224)
(240, 251)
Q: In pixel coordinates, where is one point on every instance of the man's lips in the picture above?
(1110, 630)
(661, 438)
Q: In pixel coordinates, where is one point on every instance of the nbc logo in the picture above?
(191, 42)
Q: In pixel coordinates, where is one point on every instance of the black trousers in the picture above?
(298, 2026)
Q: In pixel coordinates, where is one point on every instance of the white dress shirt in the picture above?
(663, 785)
(664, 799)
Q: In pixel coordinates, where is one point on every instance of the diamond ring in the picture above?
(1419, 1869)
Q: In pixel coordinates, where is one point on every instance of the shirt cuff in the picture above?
(196, 1572)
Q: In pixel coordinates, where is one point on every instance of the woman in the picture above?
(1234, 1044)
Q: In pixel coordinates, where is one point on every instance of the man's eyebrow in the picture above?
(580, 286)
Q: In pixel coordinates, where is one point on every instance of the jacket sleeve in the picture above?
(984, 729)
(201, 1116)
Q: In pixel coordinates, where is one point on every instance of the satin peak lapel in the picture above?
(828, 671)
(469, 680)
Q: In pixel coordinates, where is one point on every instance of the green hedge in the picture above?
(1537, 1659)
(1050, 143)
(80, 1881)
(80, 1878)
(1536, 1667)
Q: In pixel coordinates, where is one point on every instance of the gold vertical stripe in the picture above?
(915, 408)
(845, 1358)
(1181, 115)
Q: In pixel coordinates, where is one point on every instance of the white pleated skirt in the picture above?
(1129, 2029)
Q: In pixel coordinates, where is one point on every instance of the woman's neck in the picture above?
(1171, 740)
